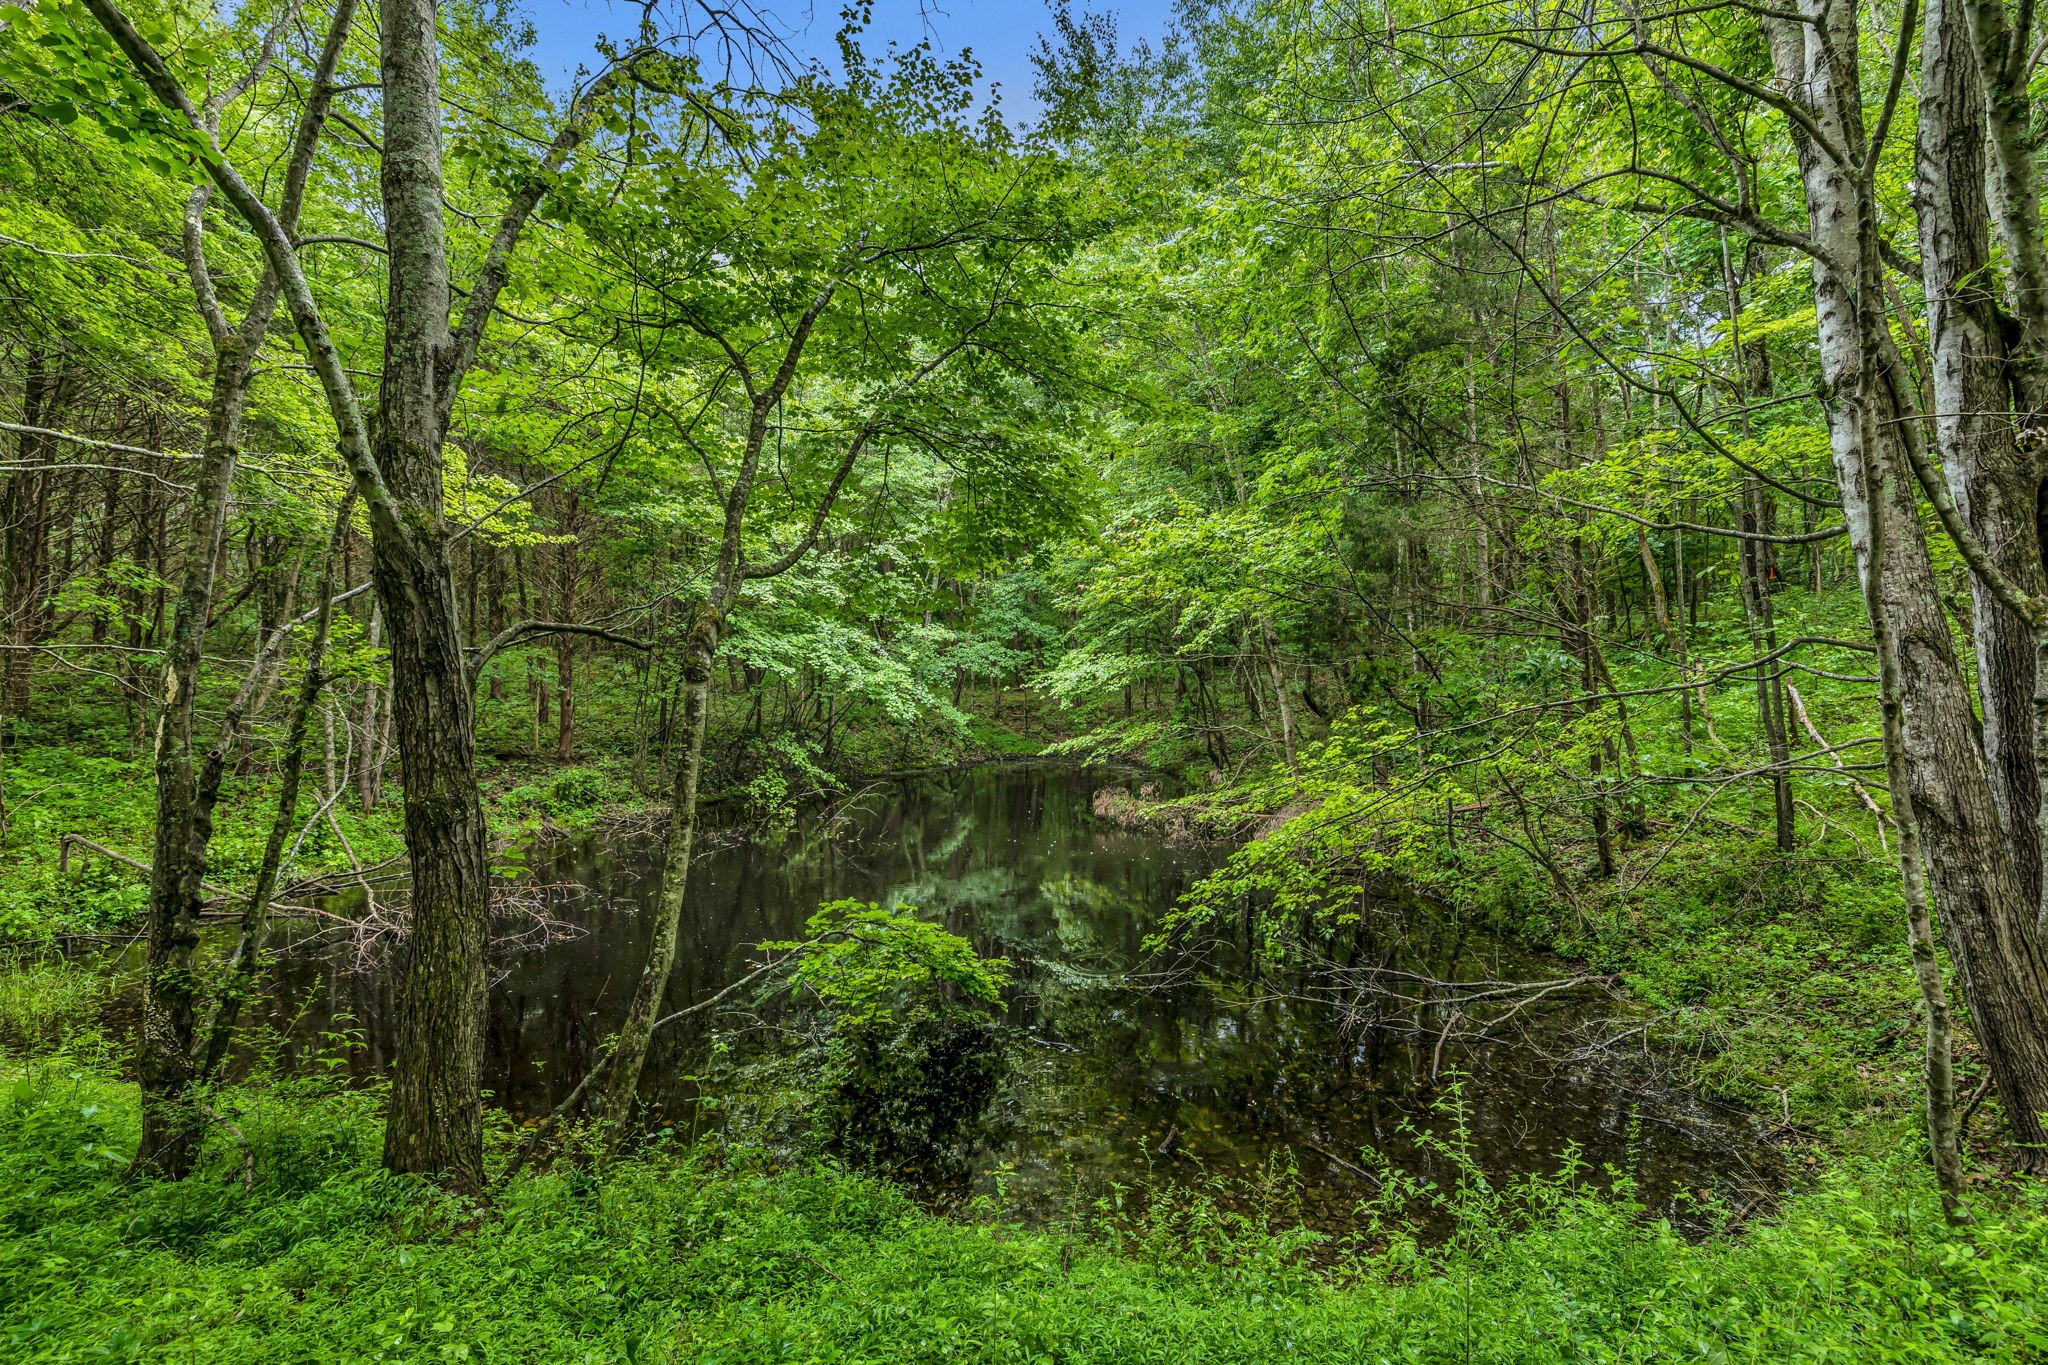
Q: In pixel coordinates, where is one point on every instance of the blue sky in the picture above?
(1001, 33)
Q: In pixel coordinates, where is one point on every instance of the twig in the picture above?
(547, 1126)
(248, 1152)
(1862, 792)
(1977, 1097)
(1321, 1150)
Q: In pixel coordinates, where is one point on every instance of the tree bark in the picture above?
(1939, 1049)
(435, 1120)
(1984, 911)
(2013, 189)
(565, 649)
(369, 776)
(1989, 478)
(1756, 573)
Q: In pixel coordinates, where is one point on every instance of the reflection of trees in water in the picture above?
(1120, 1052)
(1096, 922)
(1349, 1046)
(965, 902)
(960, 828)
(1401, 965)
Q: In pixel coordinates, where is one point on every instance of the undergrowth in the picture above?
(702, 1257)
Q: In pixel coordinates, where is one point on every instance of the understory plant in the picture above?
(905, 1049)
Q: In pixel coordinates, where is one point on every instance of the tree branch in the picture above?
(321, 350)
(1808, 538)
(497, 267)
(524, 631)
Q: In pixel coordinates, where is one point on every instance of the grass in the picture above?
(49, 1001)
(678, 1257)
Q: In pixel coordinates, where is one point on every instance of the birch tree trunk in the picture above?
(1986, 472)
(1984, 911)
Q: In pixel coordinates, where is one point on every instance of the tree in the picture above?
(396, 464)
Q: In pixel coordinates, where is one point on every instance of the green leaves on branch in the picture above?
(860, 960)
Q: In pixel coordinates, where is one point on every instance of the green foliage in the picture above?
(50, 1002)
(1209, 416)
(328, 1259)
(908, 1054)
(569, 797)
(862, 961)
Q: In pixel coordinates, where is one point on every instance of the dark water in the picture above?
(1114, 1086)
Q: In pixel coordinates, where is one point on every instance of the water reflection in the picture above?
(1115, 1086)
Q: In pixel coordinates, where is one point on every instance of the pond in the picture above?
(1195, 1078)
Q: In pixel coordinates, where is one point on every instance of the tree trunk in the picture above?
(1756, 574)
(435, 1119)
(1757, 566)
(1942, 1125)
(1987, 475)
(629, 1054)
(2003, 71)
(368, 777)
(240, 975)
(1271, 651)
(25, 509)
(1985, 915)
(565, 647)
(171, 1126)
(728, 576)
(1989, 478)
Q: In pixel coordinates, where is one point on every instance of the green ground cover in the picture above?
(291, 1245)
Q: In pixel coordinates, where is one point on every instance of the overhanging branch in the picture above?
(525, 632)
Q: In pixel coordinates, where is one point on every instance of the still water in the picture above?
(1115, 1088)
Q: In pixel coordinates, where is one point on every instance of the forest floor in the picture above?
(291, 1245)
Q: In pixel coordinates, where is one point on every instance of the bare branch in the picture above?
(524, 632)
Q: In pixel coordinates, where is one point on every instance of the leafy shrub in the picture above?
(576, 789)
(571, 797)
(909, 1054)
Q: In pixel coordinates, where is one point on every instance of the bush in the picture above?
(905, 1054)
(571, 797)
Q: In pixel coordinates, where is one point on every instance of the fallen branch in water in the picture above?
(1355, 1169)
(521, 916)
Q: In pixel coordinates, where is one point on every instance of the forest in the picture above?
(1369, 683)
